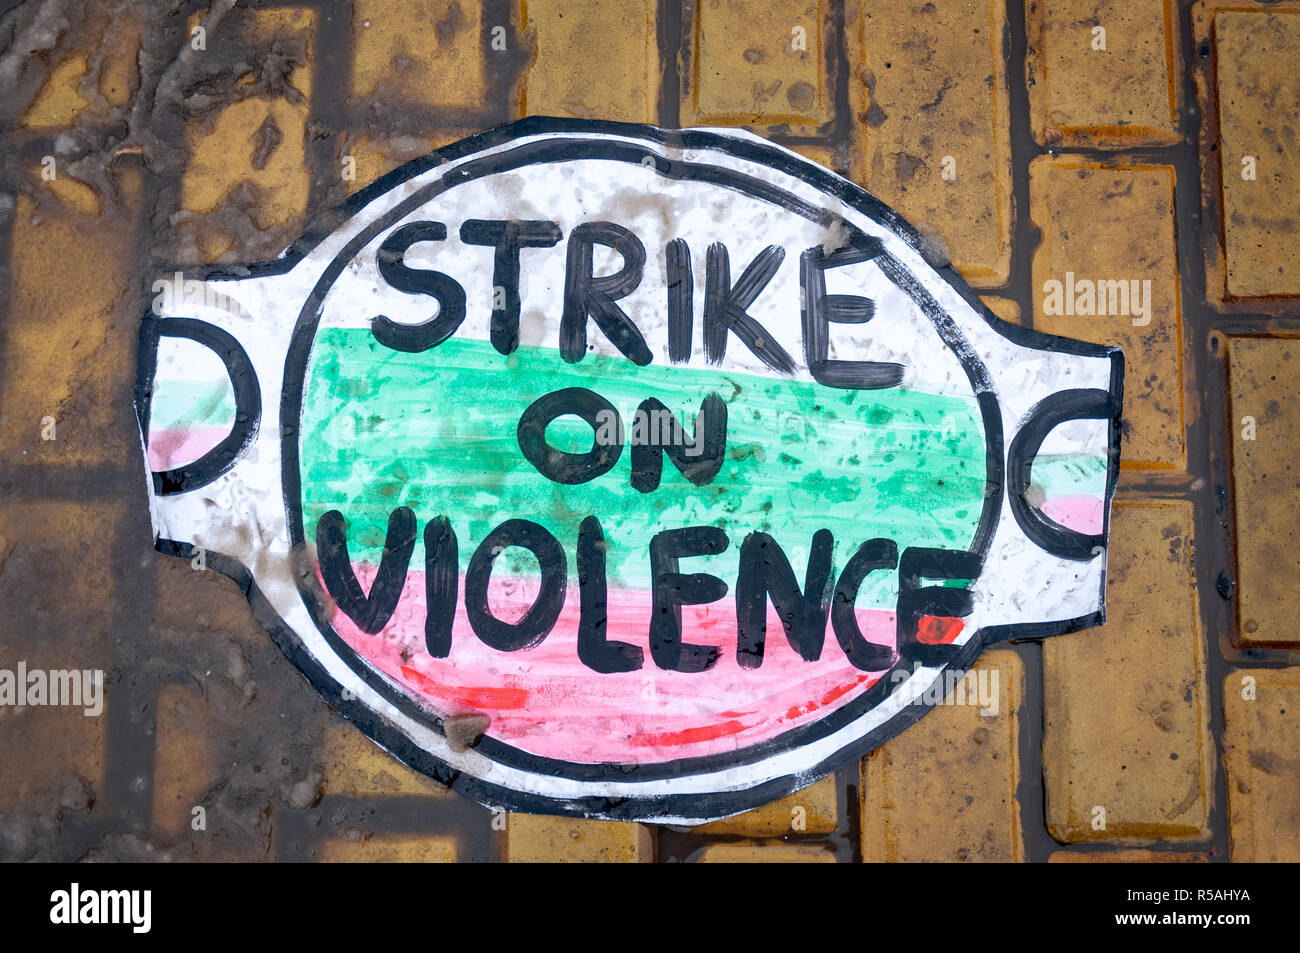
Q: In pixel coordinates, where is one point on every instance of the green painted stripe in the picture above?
(437, 432)
(1070, 474)
(180, 405)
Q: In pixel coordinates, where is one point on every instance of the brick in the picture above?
(945, 789)
(428, 51)
(52, 596)
(1104, 223)
(184, 761)
(52, 757)
(68, 338)
(1126, 857)
(1261, 744)
(357, 767)
(248, 178)
(1122, 95)
(101, 71)
(121, 74)
(1004, 308)
(820, 815)
(48, 755)
(932, 85)
(824, 155)
(1126, 710)
(1255, 55)
(71, 542)
(390, 850)
(751, 67)
(201, 605)
(373, 157)
(1264, 377)
(226, 158)
(538, 838)
(585, 68)
(60, 100)
(766, 853)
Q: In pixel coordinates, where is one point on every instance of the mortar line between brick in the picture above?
(130, 733)
(469, 824)
(130, 744)
(1024, 234)
(1030, 791)
(841, 130)
(1207, 388)
(668, 29)
(6, 289)
(329, 86)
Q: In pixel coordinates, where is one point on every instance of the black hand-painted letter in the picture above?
(724, 307)
(915, 600)
(508, 237)
(441, 582)
(541, 616)
(594, 649)
(863, 655)
(681, 297)
(699, 460)
(560, 465)
(450, 296)
(821, 310)
(370, 612)
(765, 569)
(586, 295)
(672, 589)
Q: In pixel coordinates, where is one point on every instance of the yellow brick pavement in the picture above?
(1075, 156)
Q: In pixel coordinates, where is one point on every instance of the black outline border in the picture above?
(243, 380)
(693, 805)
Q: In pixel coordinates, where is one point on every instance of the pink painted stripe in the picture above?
(545, 701)
(169, 449)
(1083, 514)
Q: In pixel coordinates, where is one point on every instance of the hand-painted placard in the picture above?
(663, 461)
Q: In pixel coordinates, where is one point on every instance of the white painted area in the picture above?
(242, 513)
(180, 359)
